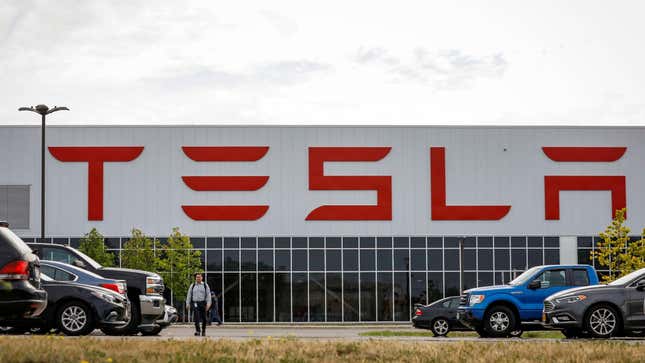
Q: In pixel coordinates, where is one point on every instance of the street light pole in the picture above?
(43, 110)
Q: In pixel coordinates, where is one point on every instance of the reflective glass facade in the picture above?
(352, 279)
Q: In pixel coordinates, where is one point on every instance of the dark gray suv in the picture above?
(600, 311)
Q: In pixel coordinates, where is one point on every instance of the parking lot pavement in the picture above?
(307, 332)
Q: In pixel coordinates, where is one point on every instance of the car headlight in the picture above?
(570, 299)
(154, 285)
(475, 299)
(106, 297)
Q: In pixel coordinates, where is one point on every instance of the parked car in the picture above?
(20, 293)
(76, 309)
(170, 316)
(498, 311)
(440, 316)
(144, 288)
(60, 271)
(601, 311)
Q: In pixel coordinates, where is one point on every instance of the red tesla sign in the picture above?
(96, 156)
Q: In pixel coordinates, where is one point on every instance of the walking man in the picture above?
(199, 299)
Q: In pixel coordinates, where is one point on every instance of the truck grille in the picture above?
(548, 306)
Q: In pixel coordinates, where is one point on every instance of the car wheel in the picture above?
(440, 327)
(499, 321)
(602, 321)
(75, 318)
(132, 327)
(153, 332)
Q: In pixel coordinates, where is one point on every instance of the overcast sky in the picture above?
(324, 62)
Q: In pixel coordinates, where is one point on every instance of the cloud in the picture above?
(446, 69)
(282, 73)
(282, 25)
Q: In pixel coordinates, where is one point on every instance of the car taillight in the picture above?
(15, 270)
(114, 287)
(418, 312)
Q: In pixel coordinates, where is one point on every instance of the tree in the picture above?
(178, 262)
(617, 252)
(138, 252)
(93, 245)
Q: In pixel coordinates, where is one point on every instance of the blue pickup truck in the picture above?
(507, 310)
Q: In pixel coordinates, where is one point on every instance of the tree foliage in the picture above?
(138, 252)
(616, 252)
(93, 245)
(178, 262)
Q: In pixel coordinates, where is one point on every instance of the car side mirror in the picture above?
(640, 286)
(535, 284)
(78, 263)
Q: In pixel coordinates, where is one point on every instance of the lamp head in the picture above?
(42, 109)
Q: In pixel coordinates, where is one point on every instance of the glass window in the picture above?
(401, 259)
(231, 303)
(551, 242)
(470, 259)
(401, 296)
(584, 256)
(435, 286)
(384, 260)
(283, 297)
(401, 242)
(265, 260)
(316, 260)
(518, 259)
(316, 242)
(551, 257)
(580, 278)
(317, 297)
(484, 242)
(49, 271)
(367, 260)
(282, 242)
(367, 242)
(57, 274)
(299, 242)
(470, 280)
(451, 259)
(299, 260)
(334, 296)
(451, 242)
(435, 242)
(452, 284)
(114, 243)
(501, 242)
(454, 303)
(282, 261)
(333, 261)
(265, 297)
(502, 259)
(231, 260)
(350, 242)
(265, 242)
(333, 242)
(368, 296)
(446, 303)
(470, 242)
(249, 297)
(248, 260)
(418, 260)
(418, 242)
(300, 310)
(350, 296)
(485, 259)
(231, 242)
(435, 260)
(418, 284)
(249, 242)
(535, 241)
(214, 242)
(484, 279)
(384, 295)
(535, 257)
(350, 260)
(552, 278)
(518, 242)
(384, 242)
(214, 260)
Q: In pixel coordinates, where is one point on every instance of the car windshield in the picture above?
(525, 276)
(627, 278)
(89, 259)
